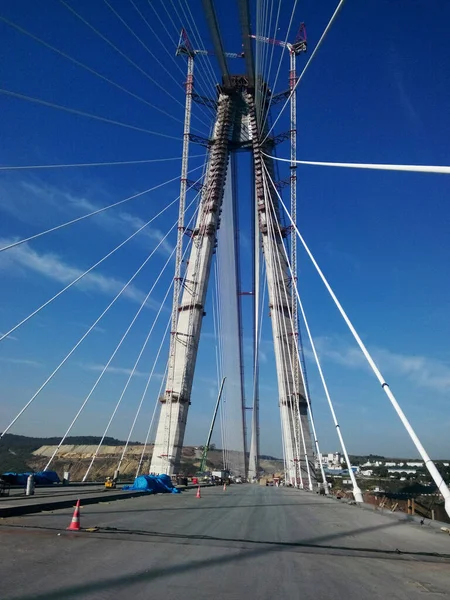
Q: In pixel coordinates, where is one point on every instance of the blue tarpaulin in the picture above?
(40, 478)
(154, 484)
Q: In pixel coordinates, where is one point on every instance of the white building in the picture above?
(402, 470)
(367, 472)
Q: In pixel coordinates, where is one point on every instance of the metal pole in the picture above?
(208, 440)
(30, 486)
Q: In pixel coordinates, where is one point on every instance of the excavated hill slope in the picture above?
(76, 459)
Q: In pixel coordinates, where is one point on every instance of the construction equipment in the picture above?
(211, 429)
(110, 483)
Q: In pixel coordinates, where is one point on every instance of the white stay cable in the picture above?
(133, 33)
(224, 404)
(154, 57)
(92, 164)
(163, 381)
(133, 370)
(83, 337)
(74, 281)
(443, 170)
(272, 51)
(99, 378)
(285, 393)
(164, 45)
(91, 214)
(295, 391)
(104, 38)
(146, 342)
(105, 368)
(308, 400)
(207, 74)
(291, 363)
(144, 393)
(314, 52)
(87, 68)
(82, 113)
(258, 55)
(437, 478)
(197, 38)
(218, 371)
(278, 71)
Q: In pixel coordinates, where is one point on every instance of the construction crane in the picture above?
(297, 47)
(185, 47)
(208, 440)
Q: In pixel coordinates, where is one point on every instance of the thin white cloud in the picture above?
(26, 202)
(113, 221)
(10, 337)
(21, 361)
(51, 266)
(118, 370)
(426, 372)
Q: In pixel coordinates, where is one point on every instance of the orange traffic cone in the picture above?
(75, 524)
(224, 487)
(198, 493)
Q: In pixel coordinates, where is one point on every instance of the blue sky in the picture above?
(377, 91)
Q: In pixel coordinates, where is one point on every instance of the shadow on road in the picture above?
(182, 508)
(267, 547)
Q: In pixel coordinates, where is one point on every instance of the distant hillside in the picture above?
(20, 453)
(16, 451)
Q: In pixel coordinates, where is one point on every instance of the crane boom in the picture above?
(208, 440)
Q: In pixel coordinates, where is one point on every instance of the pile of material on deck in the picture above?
(154, 484)
(40, 478)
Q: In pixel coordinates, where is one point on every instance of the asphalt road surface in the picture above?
(247, 543)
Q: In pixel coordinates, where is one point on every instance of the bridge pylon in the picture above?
(235, 128)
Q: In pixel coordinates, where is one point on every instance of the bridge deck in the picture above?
(247, 542)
